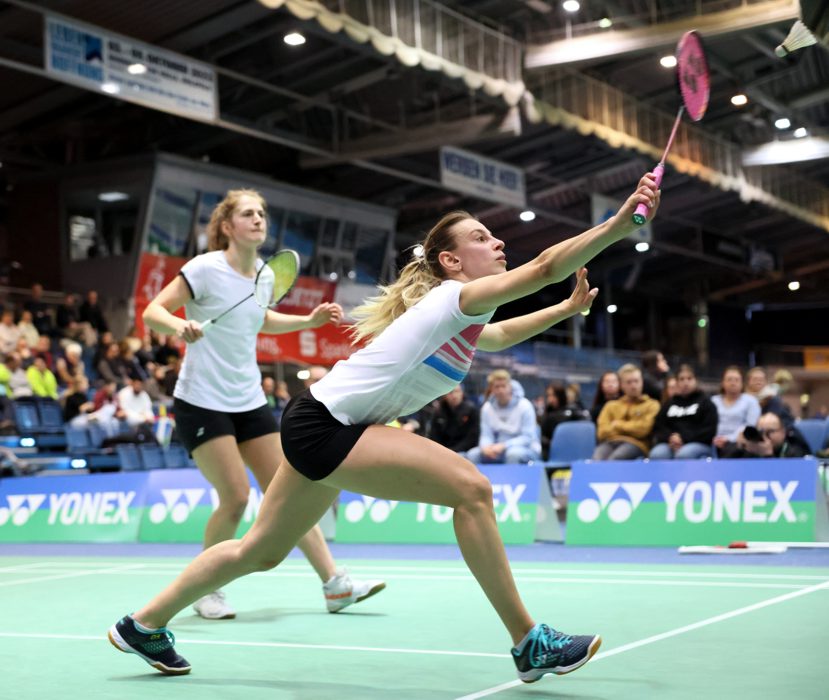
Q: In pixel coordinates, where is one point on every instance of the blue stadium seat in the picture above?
(129, 457)
(25, 416)
(572, 441)
(51, 415)
(175, 457)
(152, 456)
(814, 430)
(96, 434)
(77, 439)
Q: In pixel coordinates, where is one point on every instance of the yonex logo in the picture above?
(178, 510)
(618, 510)
(378, 510)
(20, 508)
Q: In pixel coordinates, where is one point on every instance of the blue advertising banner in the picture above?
(471, 173)
(77, 508)
(521, 498)
(689, 502)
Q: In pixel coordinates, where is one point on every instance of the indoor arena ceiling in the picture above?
(339, 116)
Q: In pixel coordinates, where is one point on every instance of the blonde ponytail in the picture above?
(415, 281)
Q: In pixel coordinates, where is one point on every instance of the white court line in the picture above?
(21, 567)
(666, 635)
(467, 578)
(381, 568)
(76, 574)
(267, 645)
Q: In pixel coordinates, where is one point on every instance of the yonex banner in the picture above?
(523, 510)
(695, 502)
(79, 508)
(178, 504)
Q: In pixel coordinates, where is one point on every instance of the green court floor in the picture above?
(670, 632)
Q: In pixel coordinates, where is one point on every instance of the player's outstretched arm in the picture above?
(276, 323)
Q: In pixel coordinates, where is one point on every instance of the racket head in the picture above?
(276, 278)
(693, 75)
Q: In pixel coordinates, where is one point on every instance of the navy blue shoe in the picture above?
(544, 650)
(156, 647)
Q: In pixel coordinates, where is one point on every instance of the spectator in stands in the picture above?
(106, 396)
(687, 423)
(91, 313)
(6, 413)
(44, 349)
(68, 319)
(757, 384)
(283, 396)
(607, 389)
(109, 367)
(129, 362)
(25, 353)
(770, 438)
(626, 424)
(573, 393)
(735, 409)
(557, 410)
(168, 350)
(456, 422)
(18, 382)
(76, 401)
(670, 389)
(9, 332)
(171, 373)
(135, 403)
(39, 310)
(509, 433)
(269, 387)
(41, 379)
(70, 365)
(654, 370)
(104, 341)
(106, 413)
(27, 328)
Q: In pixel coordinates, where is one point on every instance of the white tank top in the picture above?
(422, 355)
(219, 371)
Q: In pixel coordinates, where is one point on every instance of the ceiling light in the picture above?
(333, 276)
(739, 100)
(794, 286)
(605, 23)
(136, 69)
(294, 39)
(110, 88)
(702, 321)
(571, 5)
(800, 132)
(612, 308)
(642, 247)
(667, 61)
(782, 123)
(527, 215)
(303, 374)
(113, 196)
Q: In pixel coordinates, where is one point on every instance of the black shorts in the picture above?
(196, 425)
(314, 442)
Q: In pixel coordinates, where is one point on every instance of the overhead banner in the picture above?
(470, 173)
(691, 502)
(523, 511)
(96, 59)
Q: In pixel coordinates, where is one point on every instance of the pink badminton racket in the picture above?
(694, 86)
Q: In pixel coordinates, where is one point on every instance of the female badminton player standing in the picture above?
(222, 416)
(423, 330)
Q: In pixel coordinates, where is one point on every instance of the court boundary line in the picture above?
(125, 568)
(666, 635)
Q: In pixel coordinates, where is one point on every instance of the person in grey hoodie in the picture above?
(509, 432)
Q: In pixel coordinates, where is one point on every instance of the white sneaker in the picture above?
(341, 590)
(214, 607)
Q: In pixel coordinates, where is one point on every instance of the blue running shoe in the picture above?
(544, 650)
(156, 647)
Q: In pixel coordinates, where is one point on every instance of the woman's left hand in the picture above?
(327, 312)
(582, 297)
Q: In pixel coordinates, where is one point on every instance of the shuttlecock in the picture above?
(799, 36)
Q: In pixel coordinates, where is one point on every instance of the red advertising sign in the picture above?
(315, 346)
(154, 273)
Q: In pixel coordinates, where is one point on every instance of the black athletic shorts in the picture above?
(314, 442)
(196, 425)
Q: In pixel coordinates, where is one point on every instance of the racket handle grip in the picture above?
(640, 216)
(206, 325)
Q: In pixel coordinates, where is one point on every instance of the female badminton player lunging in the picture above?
(423, 330)
(222, 416)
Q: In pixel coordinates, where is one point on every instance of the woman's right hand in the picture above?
(189, 331)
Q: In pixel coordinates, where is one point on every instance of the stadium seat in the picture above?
(129, 457)
(814, 431)
(77, 439)
(572, 441)
(175, 457)
(51, 415)
(26, 416)
(152, 456)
